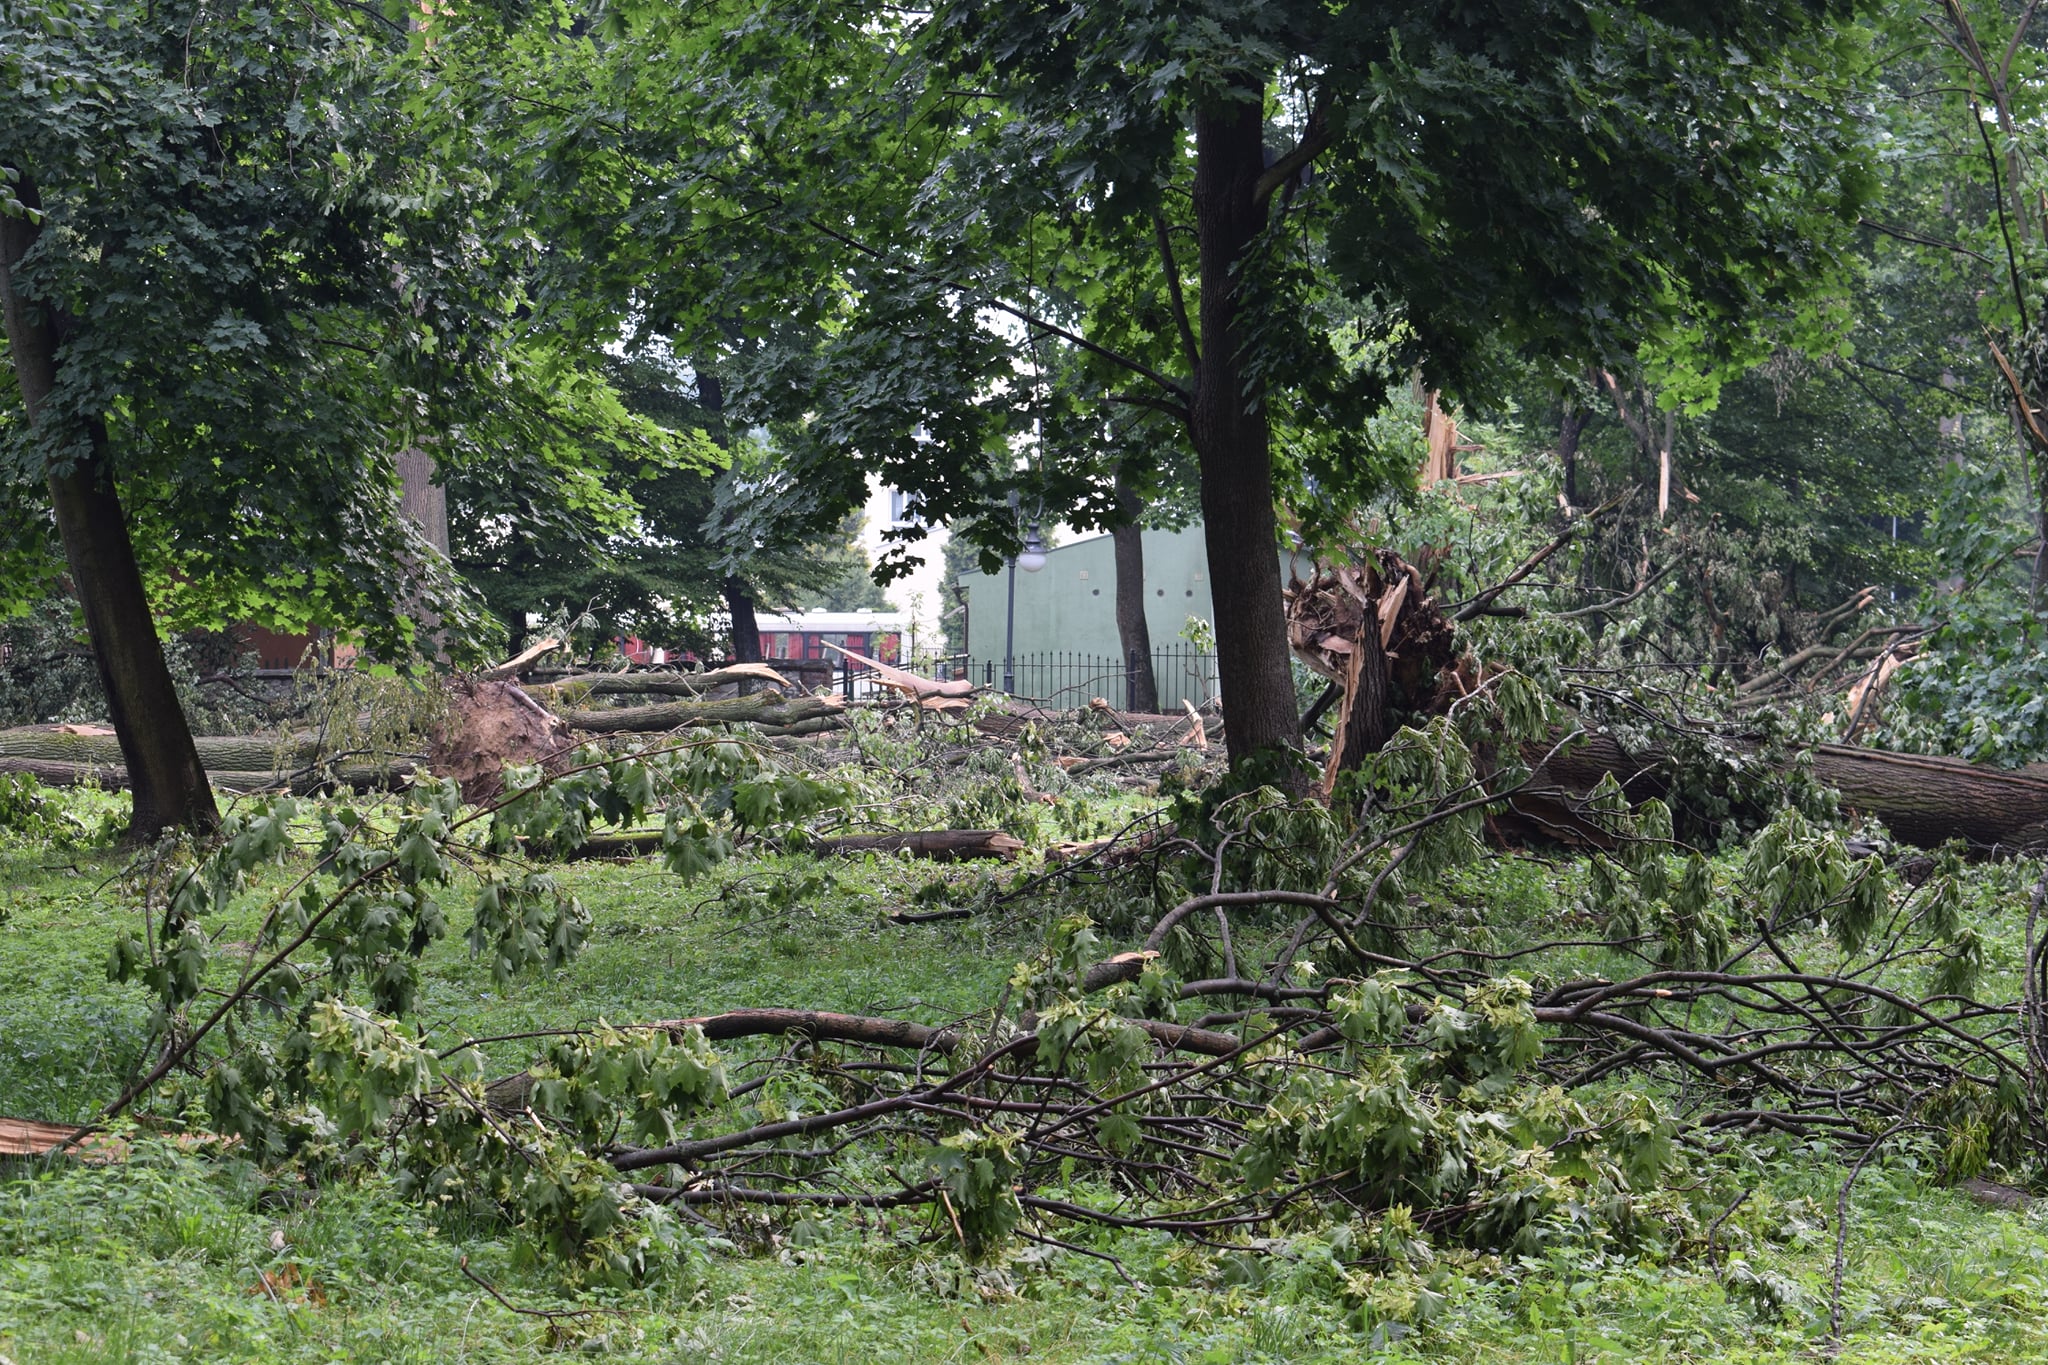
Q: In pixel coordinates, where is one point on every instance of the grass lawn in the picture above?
(195, 1256)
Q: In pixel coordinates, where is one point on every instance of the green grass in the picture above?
(166, 1257)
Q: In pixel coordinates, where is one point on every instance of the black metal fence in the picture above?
(1065, 679)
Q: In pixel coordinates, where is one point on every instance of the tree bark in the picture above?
(1920, 799)
(767, 708)
(655, 684)
(230, 753)
(1570, 427)
(819, 1026)
(739, 600)
(1228, 424)
(1366, 721)
(1133, 631)
(169, 785)
(421, 499)
(362, 777)
(939, 845)
(746, 631)
(901, 1033)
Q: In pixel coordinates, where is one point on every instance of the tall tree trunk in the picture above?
(711, 397)
(424, 503)
(1570, 427)
(746, 631)
(1229, 428)
(739, 601)
(168, 783)
(1132, 630)
(421, 500)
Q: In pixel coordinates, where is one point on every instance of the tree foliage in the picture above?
(275, 276)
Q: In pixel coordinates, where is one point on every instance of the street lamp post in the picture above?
(1031, 561)
(1010, 636)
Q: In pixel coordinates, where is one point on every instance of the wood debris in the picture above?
(28, 1138)
(903, 680)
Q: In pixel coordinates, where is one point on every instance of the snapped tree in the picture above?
(1249, 221)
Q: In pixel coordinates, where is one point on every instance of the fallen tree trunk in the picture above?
(93, 746)
(75, 756)
(765, 709)
(939, 845)
(657, 684)
(1920, 799)
(819, 1025)
(362, 777)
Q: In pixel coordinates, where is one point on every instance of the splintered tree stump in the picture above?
(1375, 631)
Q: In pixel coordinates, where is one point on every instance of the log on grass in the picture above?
(39, 1141)
(114, 777)
(901, 1033)
(939, 845)
(94, 746)
(1920, 799)
(820, 1025)
(671, 684)
(74, 755)
(764, 709)
(816, 725)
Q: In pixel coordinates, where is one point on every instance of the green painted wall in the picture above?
(1070, 604)
(1069, 607)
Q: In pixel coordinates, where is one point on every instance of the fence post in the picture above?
(846, 677)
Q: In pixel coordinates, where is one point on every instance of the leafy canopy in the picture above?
(272, 273)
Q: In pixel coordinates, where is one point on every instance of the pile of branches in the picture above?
(1346, 1067)
(1289, 1036)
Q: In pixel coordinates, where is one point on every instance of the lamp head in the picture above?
(1033, 558)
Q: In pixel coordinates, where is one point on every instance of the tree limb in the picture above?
(1315, 138)
(1180, 306)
